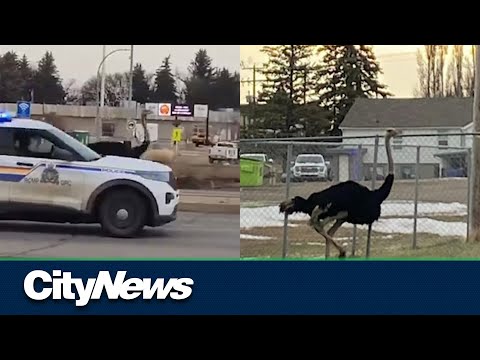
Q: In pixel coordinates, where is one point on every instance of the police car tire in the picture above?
(115, 200)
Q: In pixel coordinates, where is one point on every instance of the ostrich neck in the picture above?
(389, 155)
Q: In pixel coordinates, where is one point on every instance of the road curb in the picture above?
(209, 208)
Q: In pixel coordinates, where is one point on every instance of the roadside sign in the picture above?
(164, 109)
(200, 111)
(177, 135)
(131, 124)
(152, 107)
(24, 109)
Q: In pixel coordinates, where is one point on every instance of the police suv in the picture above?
(48, 176)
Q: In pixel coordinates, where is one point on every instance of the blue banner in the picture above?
(240, 287)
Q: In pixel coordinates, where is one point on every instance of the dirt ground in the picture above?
(304, 242)
(195, 172)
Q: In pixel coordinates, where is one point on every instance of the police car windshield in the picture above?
(85, 152)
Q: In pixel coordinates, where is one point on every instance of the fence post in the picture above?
(374, 182)
(469, 191)
(415, 201)
(354, 232)
(287, 196)
(354, 239)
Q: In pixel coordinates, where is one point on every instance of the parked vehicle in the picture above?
(309, 167)
(223, 151)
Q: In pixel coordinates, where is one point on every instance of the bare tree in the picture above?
(425, 64)
(431, 68)
(469, 76)
(440, 65)
(455, 80)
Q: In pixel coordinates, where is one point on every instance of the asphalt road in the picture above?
(193, 235)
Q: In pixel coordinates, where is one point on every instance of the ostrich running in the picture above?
(344, 202)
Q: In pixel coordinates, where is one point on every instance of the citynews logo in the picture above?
(60, 285)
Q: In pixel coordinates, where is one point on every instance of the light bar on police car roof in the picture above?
(5, 117)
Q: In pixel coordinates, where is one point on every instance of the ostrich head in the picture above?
(391, 133)
(297, 204)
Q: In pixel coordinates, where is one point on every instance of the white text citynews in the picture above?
(60, 285)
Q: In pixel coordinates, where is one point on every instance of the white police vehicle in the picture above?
(48, 176)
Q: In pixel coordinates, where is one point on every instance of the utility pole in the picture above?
(475, 170)
(290, 95)
(254, 82)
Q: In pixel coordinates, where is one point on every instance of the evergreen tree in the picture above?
(290, 69)
(348, 72)
(164, 89)
(198, 85)
(10, 78)
(140, 88)
(27, 74)
(288, 85)
(201, 66)
(48, 87)
(226, 89)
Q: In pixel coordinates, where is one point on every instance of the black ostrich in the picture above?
(124, 149)
(344, 202)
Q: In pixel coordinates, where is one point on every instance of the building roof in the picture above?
(409, 113)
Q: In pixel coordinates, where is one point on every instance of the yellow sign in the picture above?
(177, 134)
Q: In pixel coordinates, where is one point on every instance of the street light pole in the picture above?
(97, 117)
(130, 89)
(102, 84)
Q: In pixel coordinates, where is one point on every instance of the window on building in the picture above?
(108, 129)
(407, 171)
(442, 138)
(397, 141)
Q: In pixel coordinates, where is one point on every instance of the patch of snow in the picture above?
(254, 237)
(269, 216)
(424, 225)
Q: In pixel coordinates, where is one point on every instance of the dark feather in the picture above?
(362, 205)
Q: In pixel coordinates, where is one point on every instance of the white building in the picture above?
(441, 154)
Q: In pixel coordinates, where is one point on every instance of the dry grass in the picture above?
(195, 172)
(304, 242)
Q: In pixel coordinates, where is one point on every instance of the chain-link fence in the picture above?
(427, 209)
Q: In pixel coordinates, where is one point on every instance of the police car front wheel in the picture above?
(122, 213)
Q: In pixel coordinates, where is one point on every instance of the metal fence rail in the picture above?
(429, 203)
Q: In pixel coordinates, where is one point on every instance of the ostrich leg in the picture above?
(319, 226)
(331, 232)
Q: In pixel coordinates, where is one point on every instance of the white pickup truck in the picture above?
(223, 151)
(309, 167)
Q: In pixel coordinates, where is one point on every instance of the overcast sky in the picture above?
(398, 62)
(80, 62)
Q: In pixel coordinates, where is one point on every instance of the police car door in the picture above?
(49, 181)
(8, 168)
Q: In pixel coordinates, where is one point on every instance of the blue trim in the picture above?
(77, 167)
(11, 177)
(19, 177)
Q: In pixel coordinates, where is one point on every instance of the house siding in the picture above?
(405, 156)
